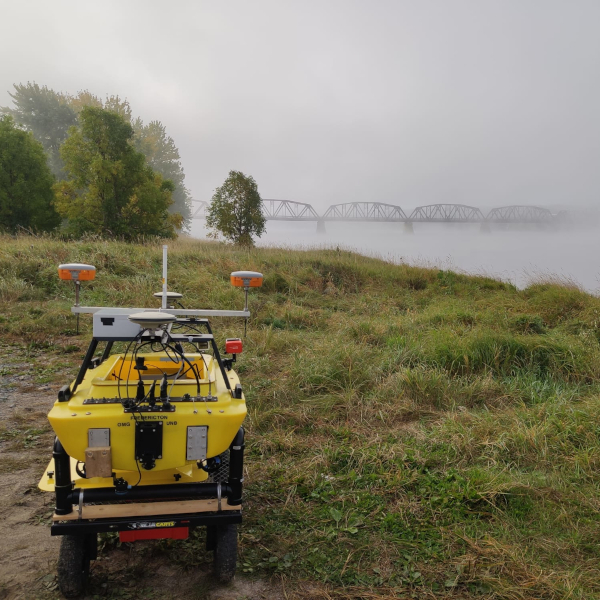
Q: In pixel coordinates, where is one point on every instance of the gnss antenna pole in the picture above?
(77, 272)
(77, 286)
(246, 279)
(164, 288)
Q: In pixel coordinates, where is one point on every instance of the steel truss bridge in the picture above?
(520, 214)
(290, 210)
(199, 207)
(364, 211)
(447, 213)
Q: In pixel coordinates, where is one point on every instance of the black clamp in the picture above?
(64, 394)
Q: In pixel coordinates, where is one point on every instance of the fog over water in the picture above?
(519, 255)
(479, 102)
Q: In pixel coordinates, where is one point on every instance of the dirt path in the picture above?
(162, 569)
(29, 552)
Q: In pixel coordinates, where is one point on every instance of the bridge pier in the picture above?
(408, 227)
(321, 226)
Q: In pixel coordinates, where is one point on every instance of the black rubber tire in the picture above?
(225, 552)
(74, 564)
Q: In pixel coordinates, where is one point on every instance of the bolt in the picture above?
(73, 414)
(209, 411)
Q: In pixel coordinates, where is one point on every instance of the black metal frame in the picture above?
(133, 524)
(88, 361)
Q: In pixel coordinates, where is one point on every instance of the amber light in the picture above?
(77, 272)
(246, 279)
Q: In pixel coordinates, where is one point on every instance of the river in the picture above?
(520, 256)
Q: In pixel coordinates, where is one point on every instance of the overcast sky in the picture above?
(408, 102)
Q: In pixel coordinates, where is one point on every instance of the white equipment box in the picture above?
(113, 324)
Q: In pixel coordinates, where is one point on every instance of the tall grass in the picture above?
(412, 432)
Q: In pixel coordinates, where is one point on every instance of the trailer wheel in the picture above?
(225, 552)
(74, 557)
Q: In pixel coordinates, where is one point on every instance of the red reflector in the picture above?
(171, 533)
(233, 346)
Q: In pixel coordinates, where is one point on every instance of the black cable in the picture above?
(79, 472)
(207, 375)
(133, 359)
(137, 338)
(137, 464)
(136, 404)
(119, 378)
(184, 358)
(165, 346)
(162, 348)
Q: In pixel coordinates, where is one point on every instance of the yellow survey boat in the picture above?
(149, 440)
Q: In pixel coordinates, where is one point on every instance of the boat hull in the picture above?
(98, 404)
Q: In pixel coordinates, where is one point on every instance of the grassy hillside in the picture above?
(411, 433)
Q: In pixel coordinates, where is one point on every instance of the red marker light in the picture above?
(233, 346)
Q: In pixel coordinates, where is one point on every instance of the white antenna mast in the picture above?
(164, 288)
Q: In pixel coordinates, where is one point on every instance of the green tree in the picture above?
(110, 189)
(47, 114)
(26, 182)
(153, 142)
(113, 103)
(235, 211)
(163, 156)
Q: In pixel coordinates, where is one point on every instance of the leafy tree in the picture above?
(235, 211)
(110, 189)
(163, 156)
(113, 103)
(85, 98)
(153, 142)
(47, 114)
(25, 181)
